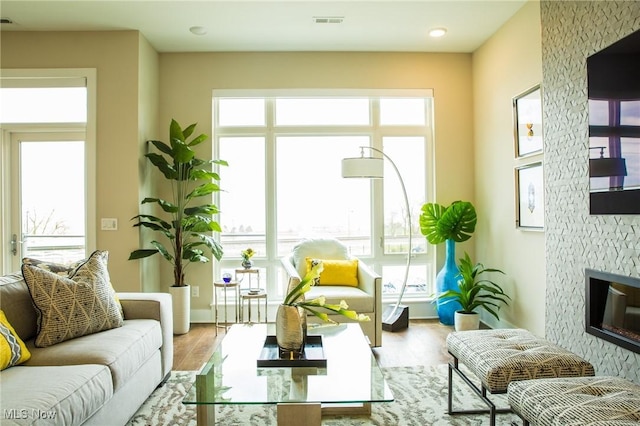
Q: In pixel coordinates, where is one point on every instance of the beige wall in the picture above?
(506, 65)
(187, 80)
(121, 103)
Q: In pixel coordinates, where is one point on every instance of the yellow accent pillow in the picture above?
(12, 349)
(337, 272)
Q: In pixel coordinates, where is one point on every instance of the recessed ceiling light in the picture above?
(437, 32)
(198, 30)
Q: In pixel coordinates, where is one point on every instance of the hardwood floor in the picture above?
(423, 343)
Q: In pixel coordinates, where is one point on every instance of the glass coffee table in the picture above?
(349, 383)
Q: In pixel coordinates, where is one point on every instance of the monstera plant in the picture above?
(456, 222)
(453, 224)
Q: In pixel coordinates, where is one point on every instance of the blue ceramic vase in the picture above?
(447, 279)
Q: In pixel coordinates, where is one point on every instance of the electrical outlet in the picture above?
(195, 291)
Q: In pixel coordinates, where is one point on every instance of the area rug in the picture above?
(420, 399)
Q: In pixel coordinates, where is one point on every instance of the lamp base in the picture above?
(399, 320)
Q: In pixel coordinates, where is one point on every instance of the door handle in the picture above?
(14, 244)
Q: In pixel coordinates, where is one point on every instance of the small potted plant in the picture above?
(246, 258)
(474, 293)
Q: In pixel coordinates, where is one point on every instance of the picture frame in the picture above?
(529, 180)
(527, 119)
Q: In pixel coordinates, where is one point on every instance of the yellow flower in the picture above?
(247, 254)
(296, 298)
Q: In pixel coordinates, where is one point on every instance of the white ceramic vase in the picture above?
(181, 297)
(465, 321)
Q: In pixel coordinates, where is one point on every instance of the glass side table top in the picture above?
(231, 375)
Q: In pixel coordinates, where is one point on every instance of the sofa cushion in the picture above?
(16, 303)
(357, 299)
(76, 306)
(12, 348)
(63, 395)
(123, 350)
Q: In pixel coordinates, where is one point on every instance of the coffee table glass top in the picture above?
(231, 375)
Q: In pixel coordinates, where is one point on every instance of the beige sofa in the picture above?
(365, 298)
(98, 379)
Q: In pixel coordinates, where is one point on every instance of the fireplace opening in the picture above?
(612, 309)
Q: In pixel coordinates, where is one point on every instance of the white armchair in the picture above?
(365, 298)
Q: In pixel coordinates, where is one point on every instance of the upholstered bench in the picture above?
(499, 357)
(580, 400)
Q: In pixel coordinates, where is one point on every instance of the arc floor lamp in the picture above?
(395, 317)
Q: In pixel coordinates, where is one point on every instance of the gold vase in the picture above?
(291, 330)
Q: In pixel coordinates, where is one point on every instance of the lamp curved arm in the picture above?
(406, 202)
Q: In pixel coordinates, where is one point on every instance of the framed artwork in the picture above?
(530, 197)
(527, 118)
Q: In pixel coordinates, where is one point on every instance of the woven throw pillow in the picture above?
(65, 270)
(82, 304)
(56, 268)
(12, 349)
(336, 272)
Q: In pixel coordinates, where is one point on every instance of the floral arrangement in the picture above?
(296, 298)
(247, 254)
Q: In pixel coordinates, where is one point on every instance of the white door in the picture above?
(48, 201)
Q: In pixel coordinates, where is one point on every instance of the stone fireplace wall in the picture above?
(575, 240)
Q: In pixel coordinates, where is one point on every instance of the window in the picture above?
(45, 115)
(284, 179)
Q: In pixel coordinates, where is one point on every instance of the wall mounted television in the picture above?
(614, 127)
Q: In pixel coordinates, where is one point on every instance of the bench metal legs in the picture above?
(482, 393)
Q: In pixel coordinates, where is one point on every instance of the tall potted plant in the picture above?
(185, 225)
(452, 224)
(473, 293)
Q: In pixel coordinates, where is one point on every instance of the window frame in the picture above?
(19, 77)
(269, 262)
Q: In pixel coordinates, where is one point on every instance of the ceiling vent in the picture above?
(328, 19)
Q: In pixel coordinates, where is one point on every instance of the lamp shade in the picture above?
(362, 167)
(605, 167)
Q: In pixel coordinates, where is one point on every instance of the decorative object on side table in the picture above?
(246, 258)
(473, 293)
(452, 224)
(291, 323)
(187, 227)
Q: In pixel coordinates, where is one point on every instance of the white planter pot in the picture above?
(181, 297)
(465, 322)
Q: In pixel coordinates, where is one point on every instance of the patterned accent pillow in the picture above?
(56, 268)
(81, 304)
(12, 349)
(65, 270)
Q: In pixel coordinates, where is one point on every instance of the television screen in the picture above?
(614, 127)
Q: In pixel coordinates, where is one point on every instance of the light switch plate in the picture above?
(109, 224)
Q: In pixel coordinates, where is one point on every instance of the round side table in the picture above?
(221, 285)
